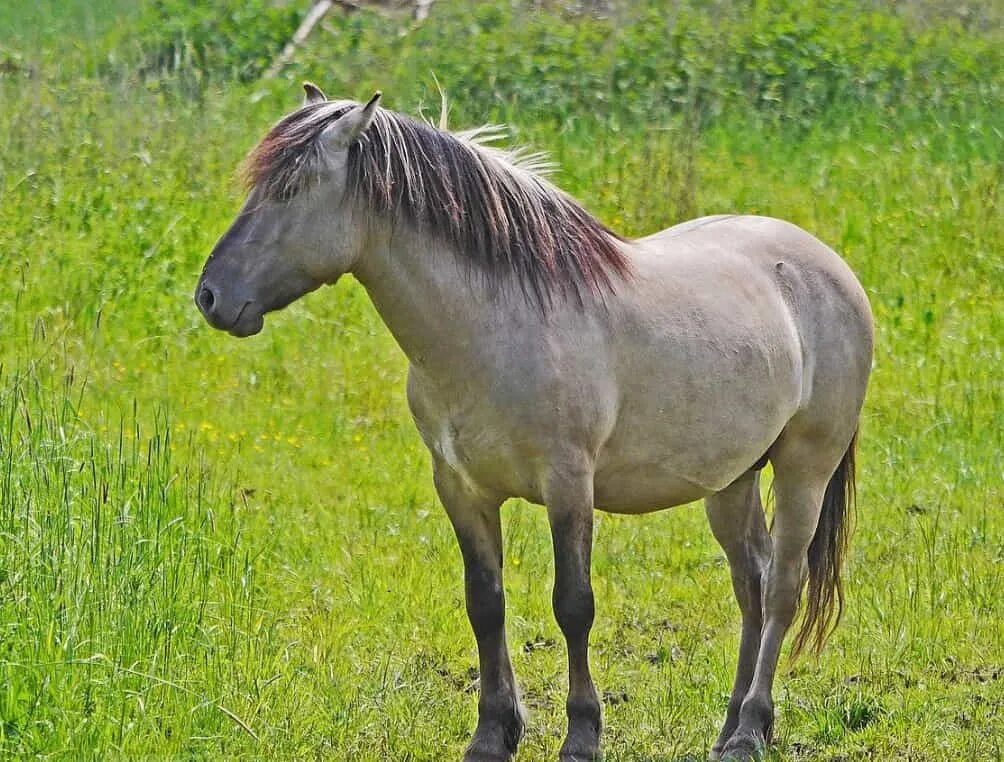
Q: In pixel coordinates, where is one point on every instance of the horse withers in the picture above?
(554, 360)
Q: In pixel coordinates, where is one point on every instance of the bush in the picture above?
(643, 61)
(230, 38)
(788, 60)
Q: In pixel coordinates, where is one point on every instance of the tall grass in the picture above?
(127, 594)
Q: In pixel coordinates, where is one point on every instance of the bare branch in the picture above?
(316, 13)
(421, 12)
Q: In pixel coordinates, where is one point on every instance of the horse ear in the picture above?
(313, 94)
(340, 134)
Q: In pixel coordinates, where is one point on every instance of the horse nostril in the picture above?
(207, 299)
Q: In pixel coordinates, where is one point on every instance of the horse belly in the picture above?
(643, 489)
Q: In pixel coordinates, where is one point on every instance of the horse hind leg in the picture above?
(569, 497)
(811, 478)
(738, 523)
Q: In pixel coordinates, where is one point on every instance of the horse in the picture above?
(554, 360)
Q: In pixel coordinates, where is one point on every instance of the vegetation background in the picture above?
(220, 549)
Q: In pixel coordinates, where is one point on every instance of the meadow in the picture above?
(223, 549)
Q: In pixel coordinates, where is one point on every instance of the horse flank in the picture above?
(492, 206)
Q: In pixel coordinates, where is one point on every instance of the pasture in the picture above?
(218, 549)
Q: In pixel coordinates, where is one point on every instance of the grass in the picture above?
(221, 549)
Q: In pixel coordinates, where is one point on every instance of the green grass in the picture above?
(220, 549)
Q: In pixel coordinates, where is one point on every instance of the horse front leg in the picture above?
(477, 524)
(570, 512)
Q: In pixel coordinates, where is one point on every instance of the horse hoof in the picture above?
(485, 750)
(497, 735)
(579, 755)
(480, 751)
(744, 748)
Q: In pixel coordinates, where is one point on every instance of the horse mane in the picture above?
(493, 206)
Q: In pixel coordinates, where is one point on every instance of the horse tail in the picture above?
(824, 600)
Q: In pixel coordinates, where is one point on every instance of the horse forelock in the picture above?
(494, 206)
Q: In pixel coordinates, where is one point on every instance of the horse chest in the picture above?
(488, 458)
(466, 435)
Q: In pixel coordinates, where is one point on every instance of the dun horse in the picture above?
(553, 360)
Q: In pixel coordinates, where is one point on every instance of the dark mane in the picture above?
(491, 205)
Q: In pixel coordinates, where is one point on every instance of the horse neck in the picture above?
(442, 317)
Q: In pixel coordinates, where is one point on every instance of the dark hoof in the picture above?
(472, 755)
(495, 740)
(580, 756)
(582, 747)
(723, 738)
(744, 748)
(585, 724)
(484, 748)
(749, 741)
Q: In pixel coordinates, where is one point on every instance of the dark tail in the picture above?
(824, 599)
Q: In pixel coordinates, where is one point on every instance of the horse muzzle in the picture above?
(238, 317)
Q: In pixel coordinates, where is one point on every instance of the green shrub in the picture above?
(230, 38)
(646, 61)
(788, 60)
